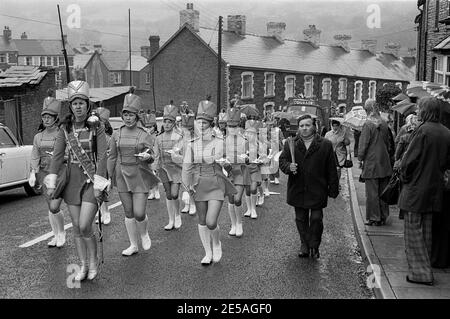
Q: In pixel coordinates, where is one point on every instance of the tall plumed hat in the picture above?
(207, 110)
(51, 105)
(103, 113)
(171, 112)
(78, 89)
(148, 119)
(132, 102)
(233, 116)
(223, 117)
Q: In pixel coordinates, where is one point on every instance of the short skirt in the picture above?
(213, 187)
(237, 175)
(170, 174)
(134, 179)
(78, 189)
(254, 173)
(40, 186)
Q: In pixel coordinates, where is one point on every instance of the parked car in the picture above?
(15, 161)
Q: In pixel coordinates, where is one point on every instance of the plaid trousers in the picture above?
(418, 246)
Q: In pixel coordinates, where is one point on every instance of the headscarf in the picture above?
(429, 109)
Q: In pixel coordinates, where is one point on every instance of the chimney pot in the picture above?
(312, 35)
(276, 30)
(236, 23)
(369, 45)
(342, 41)
(191, 17)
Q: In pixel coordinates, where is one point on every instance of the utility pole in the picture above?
(129, 44)
(219, 66)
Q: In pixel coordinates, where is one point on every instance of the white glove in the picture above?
(101, 183)
(50, 181)
(144, 156)
(32, 179)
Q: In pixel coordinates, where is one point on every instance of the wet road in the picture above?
(262, 264)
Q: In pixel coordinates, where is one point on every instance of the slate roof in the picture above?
(119, 61)
(267, 53)
(97, 94)
(40, 47)
(80, 60)
(20, 75)
(7, 46)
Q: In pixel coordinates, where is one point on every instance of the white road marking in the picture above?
(50, 234)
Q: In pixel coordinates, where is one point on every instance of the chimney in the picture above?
(154, 44)
(24, 36)
(6, 34)
(312, 35)
(191, 17)
(392, 48)
(342, 41)
(276, 30)
(145, 51)
(236, 23)
(369, 45)
(98, 48)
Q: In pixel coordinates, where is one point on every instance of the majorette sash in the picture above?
(81, 155)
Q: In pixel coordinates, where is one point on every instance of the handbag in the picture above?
(392, 191)
(348, 162)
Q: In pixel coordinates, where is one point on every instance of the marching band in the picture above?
(206, 157)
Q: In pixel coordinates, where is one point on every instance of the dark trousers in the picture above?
(376, 209)
(310, 227)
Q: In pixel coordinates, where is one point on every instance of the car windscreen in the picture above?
(302, 109)
(5, 139)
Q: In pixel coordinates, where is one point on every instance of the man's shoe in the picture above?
(303, 255)
(428, 283)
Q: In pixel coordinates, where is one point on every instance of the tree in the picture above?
(384, 96)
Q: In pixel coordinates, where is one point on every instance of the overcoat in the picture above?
(316, 177)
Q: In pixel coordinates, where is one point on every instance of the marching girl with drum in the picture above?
(236, 149)
(168, 164)
(86, 179)
(41, 155)
(203, 176)
(129, 162)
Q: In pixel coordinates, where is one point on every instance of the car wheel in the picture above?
(31, 191)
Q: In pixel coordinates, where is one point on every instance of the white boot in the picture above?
(266, 188)
(260, 199)
(53, 225)
(192, 207)
(61, 235)
(185, 199)
(91, 245)
(233, 219)
(157, 195)
(143, 231)
(130, 224)
(151, 194)
(176, 212)
(237, 214)
(82, 254)
(253, 198)
(170, 225)
(106, 215)
(249, 206)
(276, 181)
(217, 245)
(205, 237)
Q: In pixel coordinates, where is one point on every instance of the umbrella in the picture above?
(355, 118)
(249, 110)
(405, 107)
(400, 97)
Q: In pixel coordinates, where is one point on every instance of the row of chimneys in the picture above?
(236, 23)
(7, 35)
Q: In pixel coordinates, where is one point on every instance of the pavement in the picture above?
(383, 250)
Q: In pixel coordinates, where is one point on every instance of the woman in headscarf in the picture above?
(41, 156)
(422, 196)
(87, 174)
(339, 137)
(202, 175)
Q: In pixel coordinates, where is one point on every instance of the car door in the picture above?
(13, 158)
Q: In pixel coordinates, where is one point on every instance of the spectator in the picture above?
(356, 136)
(422, 173)
(338, 136)
(402, 146)
(312, 178)
(374, 144)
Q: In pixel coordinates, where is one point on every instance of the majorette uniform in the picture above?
(203, 176)
(168, 163)
(149, 121)
(41, 156)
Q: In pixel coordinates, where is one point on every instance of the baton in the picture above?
(291, 148)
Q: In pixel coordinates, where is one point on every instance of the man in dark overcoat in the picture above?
(312, 179)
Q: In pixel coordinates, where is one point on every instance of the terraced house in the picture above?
(266, 70)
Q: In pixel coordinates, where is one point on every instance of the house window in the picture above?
(42, 60)
(147, 78)
(326, 89)
(247, 85)
(70, 59)
(357, 98)
(117, 77)
(61, 61)
(289, 86)
(309, 81)
(372, 89)
(55, 61)
(49, 61)
(436, 17)
(28, 60)
(269, 84)
(442, 70)
(342, 89)
(3, 58)
(342, 108)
